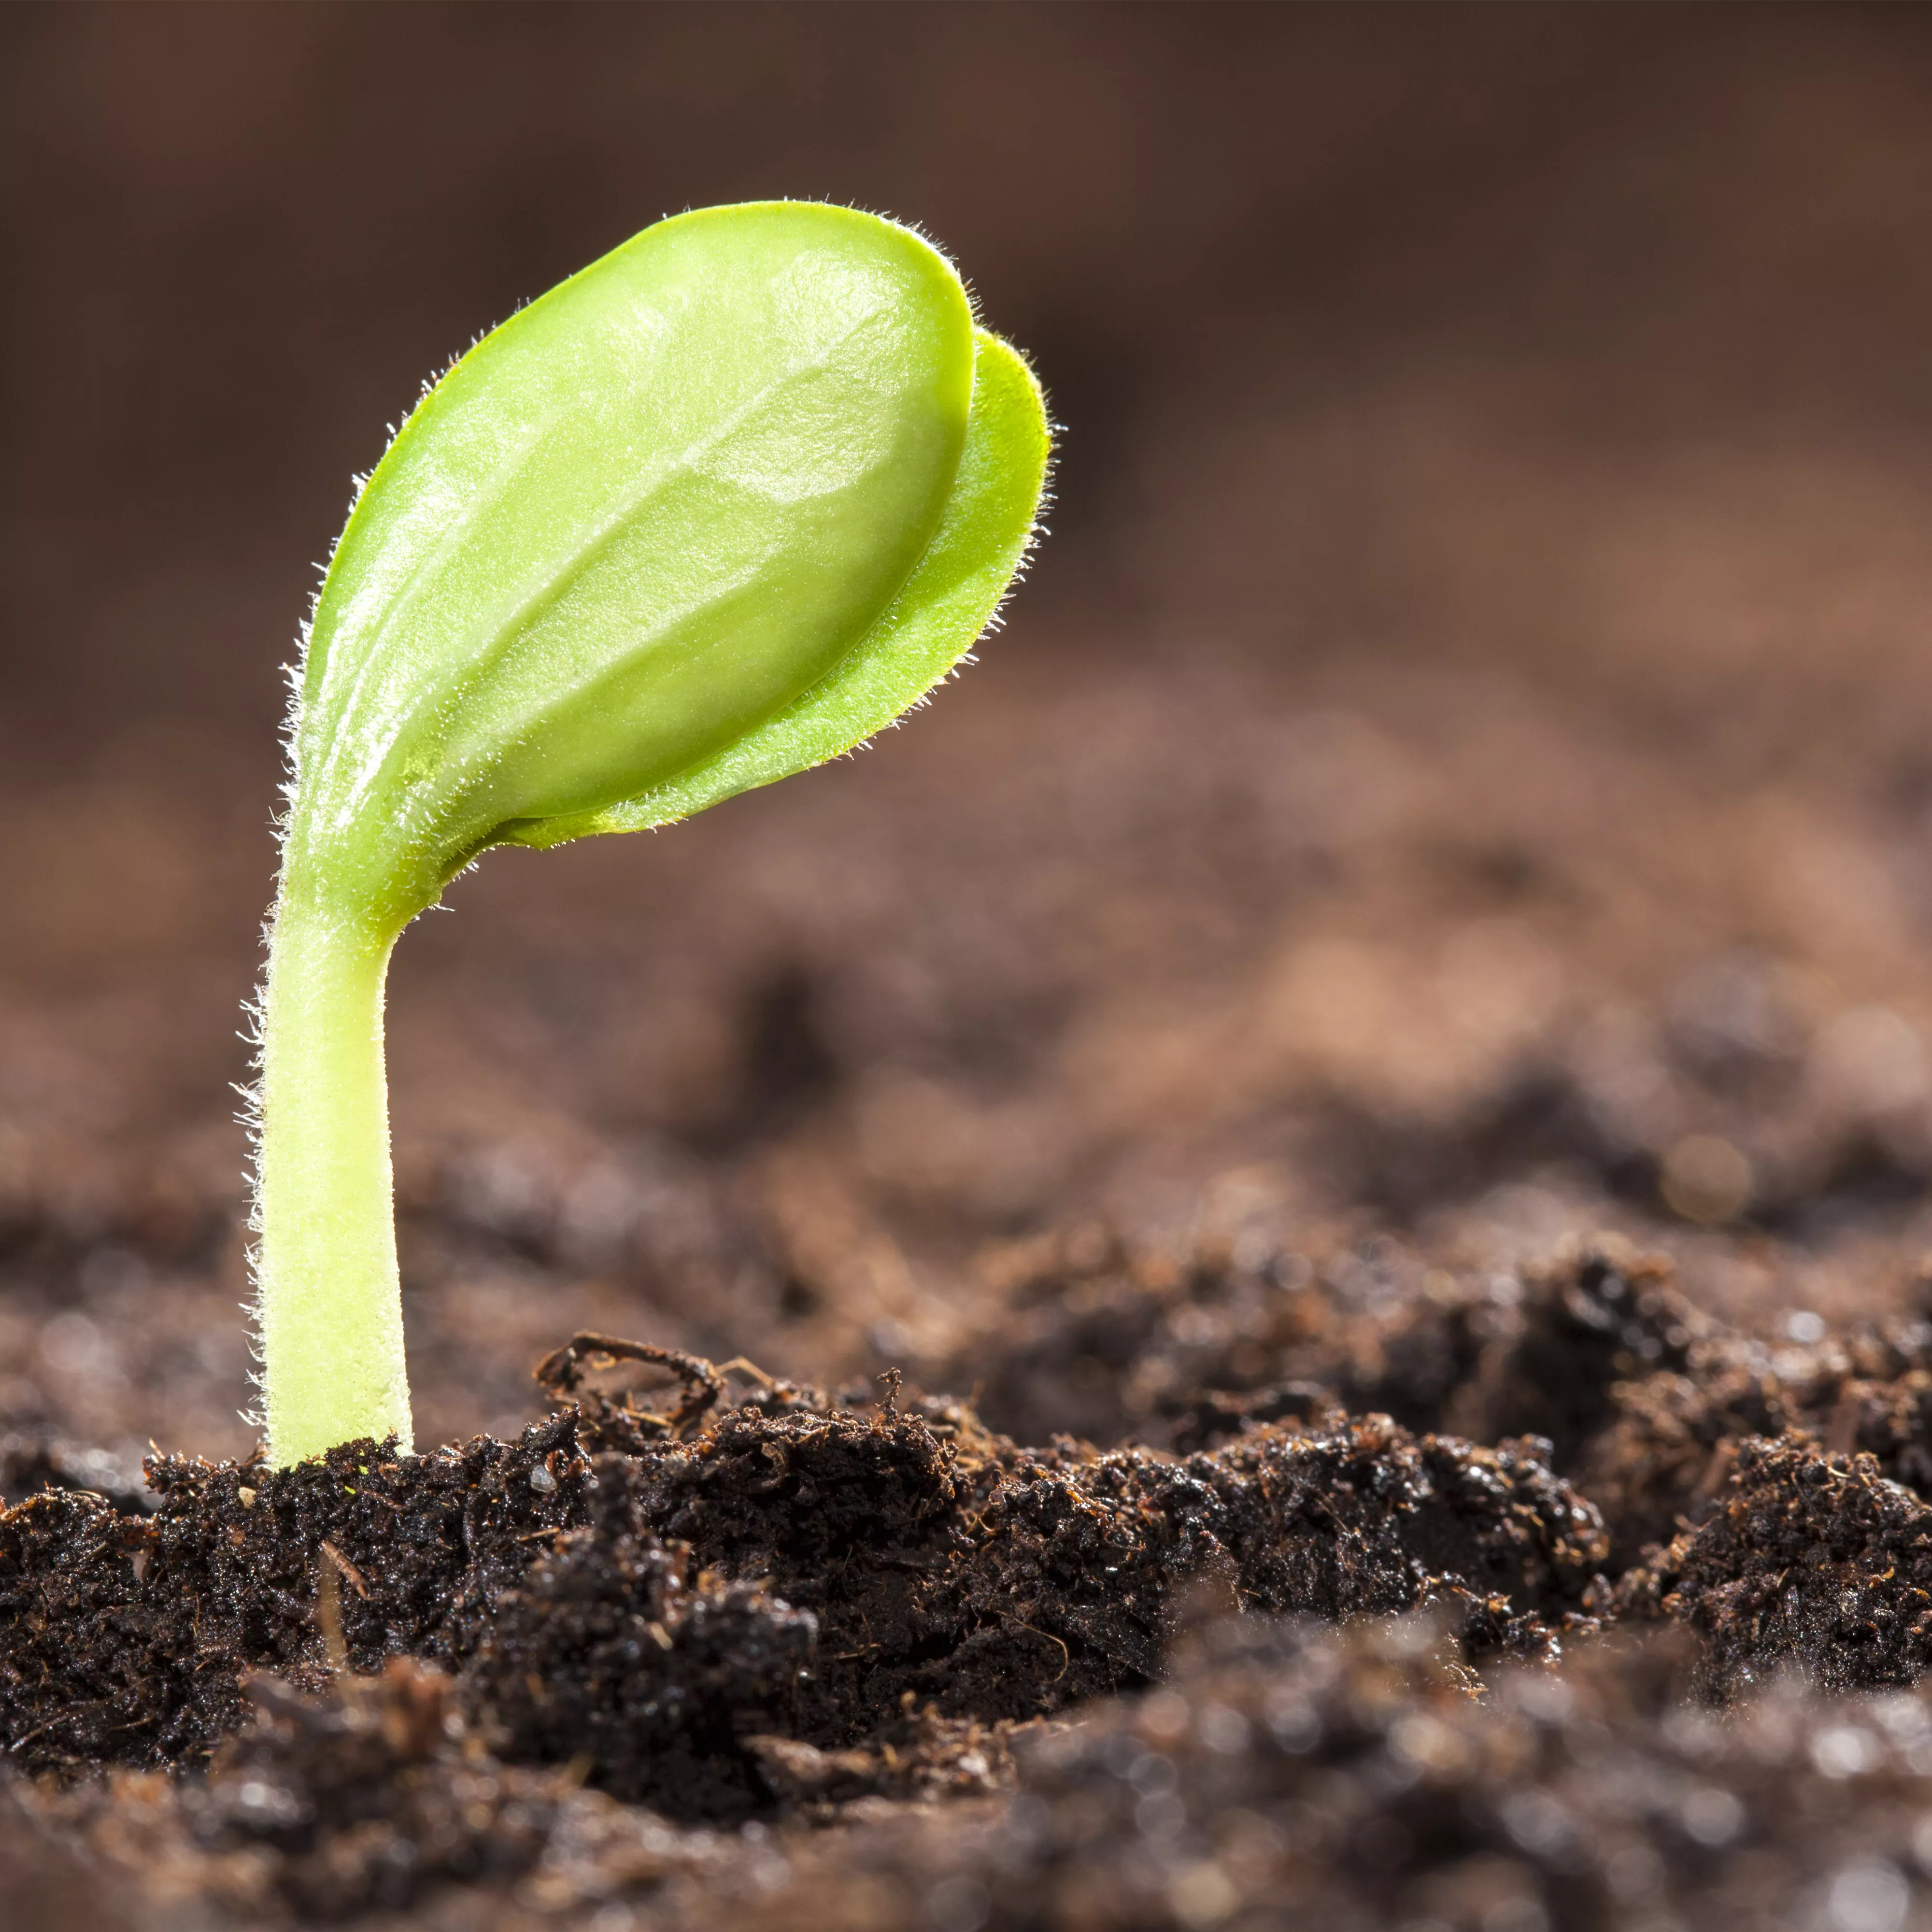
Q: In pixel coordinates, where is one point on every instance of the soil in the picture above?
(1271, 1272)
(581, 1666)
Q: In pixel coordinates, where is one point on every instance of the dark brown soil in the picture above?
(814, 1573)
(383, 1676)
(1287, 1776)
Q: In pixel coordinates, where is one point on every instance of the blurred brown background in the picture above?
(1457, 776)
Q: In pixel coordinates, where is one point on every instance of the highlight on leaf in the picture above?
(720, 507)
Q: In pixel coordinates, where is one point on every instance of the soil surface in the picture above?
(1273, 1271)
(1303, 1658)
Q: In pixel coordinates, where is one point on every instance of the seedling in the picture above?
(713, 510)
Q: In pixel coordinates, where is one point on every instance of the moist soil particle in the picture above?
(1812, 1564)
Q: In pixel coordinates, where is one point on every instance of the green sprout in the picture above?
(719, 508)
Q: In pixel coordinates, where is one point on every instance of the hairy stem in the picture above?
(329, 1300)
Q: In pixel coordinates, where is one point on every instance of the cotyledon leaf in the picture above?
(632, 529)
(946, 604)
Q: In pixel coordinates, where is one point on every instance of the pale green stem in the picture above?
(330, 1300)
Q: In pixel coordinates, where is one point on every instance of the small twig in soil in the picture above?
(1067, 1655)
(560, 1374)
(739, 1365)
(328, 1615)
(353, 1577)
